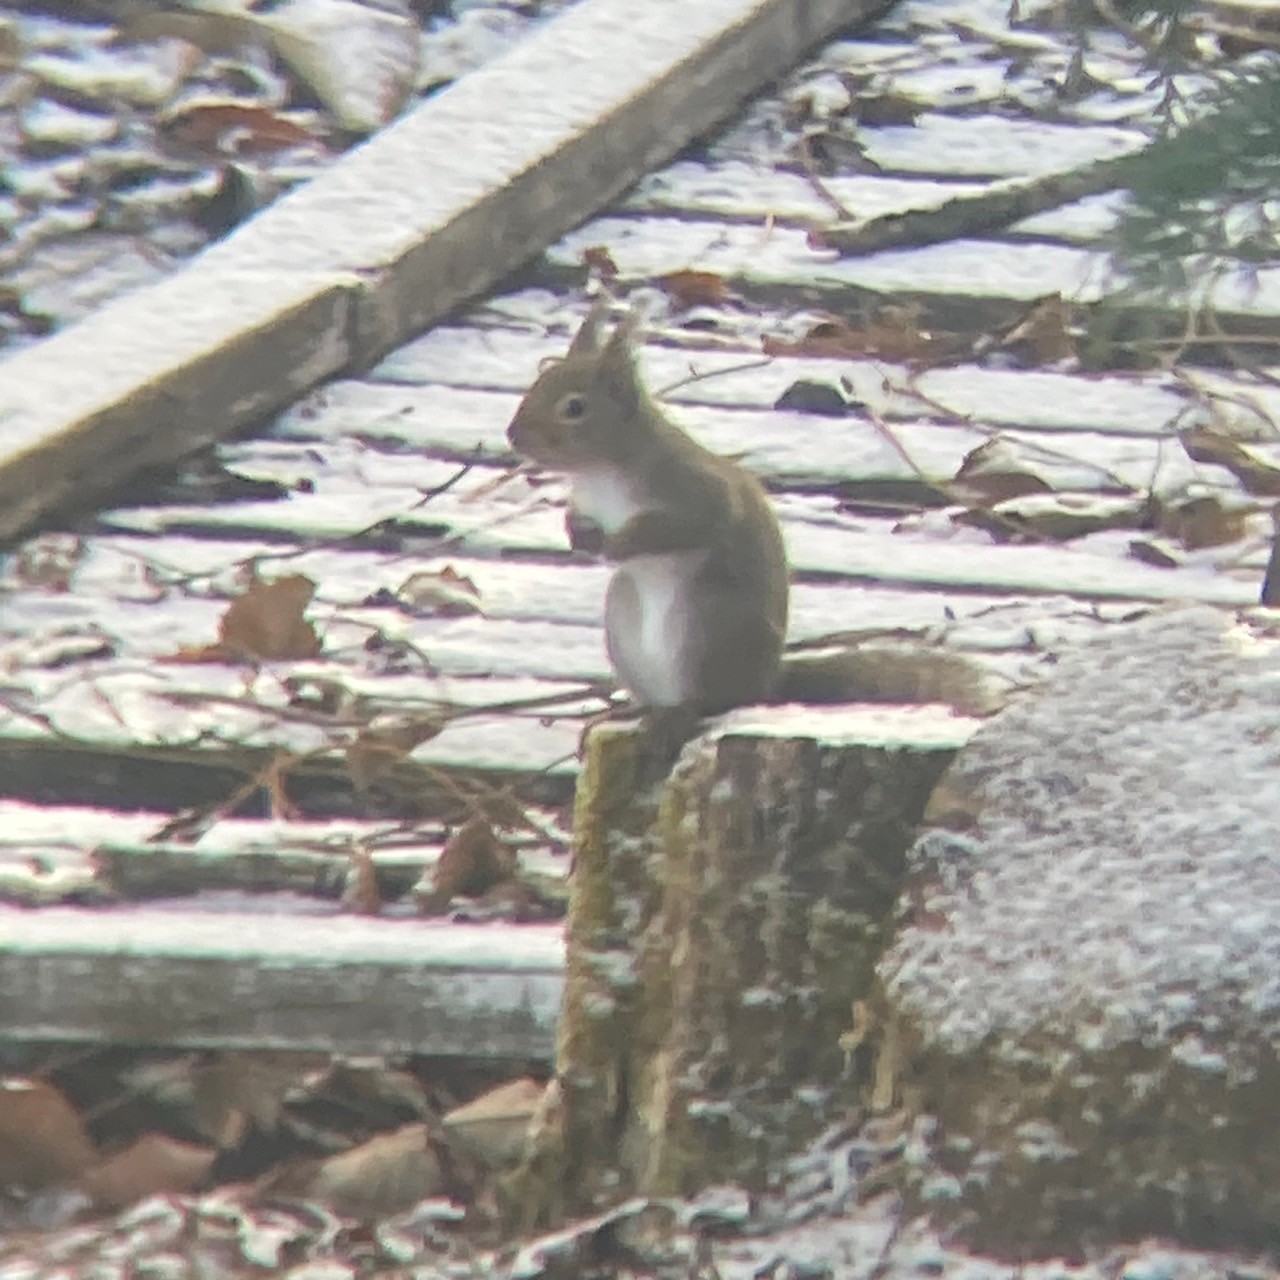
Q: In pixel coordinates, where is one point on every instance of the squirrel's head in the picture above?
(586, 409)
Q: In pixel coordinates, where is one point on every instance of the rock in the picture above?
(1087, 981)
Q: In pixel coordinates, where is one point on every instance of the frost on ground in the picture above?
(1089, 969)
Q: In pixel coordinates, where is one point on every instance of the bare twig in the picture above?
(695, 376)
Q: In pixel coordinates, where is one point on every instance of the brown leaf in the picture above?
(381, 747)
(694, 288)
(42, 1140)
(1251, 466)
(389, 1173)
(446, 594)
(1058, 517)
(1006, 467)
(1044, 333)
(361, 893)
(360, 60)
(233, 128)
(896, 334)
(230, 1090)
(495, 1126)
(599, 261)
(1205, 519)
(472, 862)
(266, 622)
(154, 1163)
(49, 561)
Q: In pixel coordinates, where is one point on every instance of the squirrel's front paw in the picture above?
(584, 534)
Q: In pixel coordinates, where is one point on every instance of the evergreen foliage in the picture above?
(1205, 197)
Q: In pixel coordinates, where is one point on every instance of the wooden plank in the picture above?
(962, 282)
(507, 359)
(851, 454)
(390, 238)
(53, 854)
(327, 981)
(158, 373)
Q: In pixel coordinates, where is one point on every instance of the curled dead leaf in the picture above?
(1006, 467)
(1255, 466)
(43, 1142)
(442, 594)
(152, 1164)
(360, 60)
(387, 1174)
(1057, 517)
(383, 746)
(361, 893)
(1044, 333)
(495, 1126)
(599, 261)
(231, 128)
(472, 862)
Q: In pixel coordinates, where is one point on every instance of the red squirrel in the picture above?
(696, 610)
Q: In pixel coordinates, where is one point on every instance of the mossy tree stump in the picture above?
(727, 911)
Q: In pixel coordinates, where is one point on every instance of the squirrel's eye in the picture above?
(571, 408)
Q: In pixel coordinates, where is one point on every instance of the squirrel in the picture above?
(696, 609)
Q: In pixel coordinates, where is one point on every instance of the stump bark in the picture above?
(728, 907)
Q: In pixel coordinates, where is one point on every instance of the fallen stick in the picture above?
(1001, 204)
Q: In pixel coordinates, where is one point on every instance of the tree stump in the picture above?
(726, 914)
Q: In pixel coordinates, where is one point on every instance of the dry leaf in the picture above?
(599, 261)
(385, 744)
(1249, 464)
(694, 288)
(49, 561)
(446, 594)
(361, 893)
(1058, 517)
(472, 862)
(1205, 518)
(42, 1140)
(361, 61)
(154, 1163)
(1006, 467)
(1045, 331)
(495, 1126)
(230, 1090)
(266, 622)
(232, 128)
(388, 1174)
(896, 334)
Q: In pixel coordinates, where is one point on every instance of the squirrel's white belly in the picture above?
(647, 616)
(605, 496)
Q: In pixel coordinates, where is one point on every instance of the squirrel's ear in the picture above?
(586, 342)
(617, 364)
(619, 346)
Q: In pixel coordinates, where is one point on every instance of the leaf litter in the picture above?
(143, 133)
